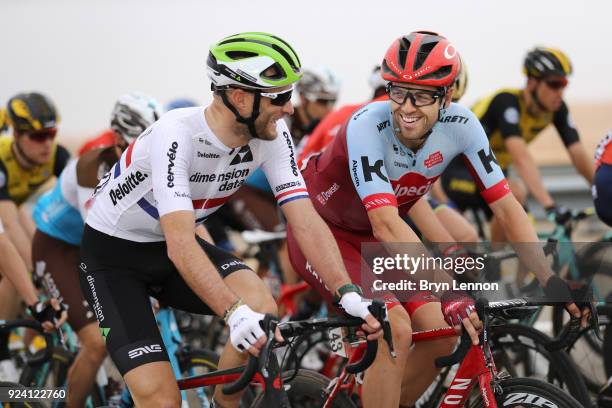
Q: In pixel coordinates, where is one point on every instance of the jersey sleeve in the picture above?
(4, 193)
(83, 196)
(170, 155)
(480, 160)
(565, 126)
(280, 167)
(505, 112)
(61, 159)
(366, 162)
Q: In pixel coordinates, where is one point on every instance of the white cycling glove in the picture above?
(354, 305)
(244, 327)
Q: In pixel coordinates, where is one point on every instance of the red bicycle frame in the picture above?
(473, 369)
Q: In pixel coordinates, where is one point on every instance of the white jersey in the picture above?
(179, 164)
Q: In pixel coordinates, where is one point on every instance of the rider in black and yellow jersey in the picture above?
(512, 118)
(28, 159)
(3, 121)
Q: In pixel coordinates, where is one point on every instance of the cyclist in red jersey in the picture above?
(104, 139)
(452, 227)
(383, 160)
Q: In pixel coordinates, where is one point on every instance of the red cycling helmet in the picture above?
(421, 58)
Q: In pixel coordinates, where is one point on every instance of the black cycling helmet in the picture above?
(542, 62)
(31, 112)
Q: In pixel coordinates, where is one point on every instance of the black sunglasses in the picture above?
(556, 84)
(41, 136)
(278, 98)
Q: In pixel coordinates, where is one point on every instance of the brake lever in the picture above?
(379, 311)
(267, 348)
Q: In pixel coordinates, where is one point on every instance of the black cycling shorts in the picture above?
(117, 277)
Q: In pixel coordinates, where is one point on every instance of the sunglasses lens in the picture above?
(327, 102)
(43, 135)
(556, 84)
(282, 98)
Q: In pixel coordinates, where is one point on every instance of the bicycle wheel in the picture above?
(528, 392)
(54, 373)
(306, 391)
(4, 384)
(520, 350)
(195, 362)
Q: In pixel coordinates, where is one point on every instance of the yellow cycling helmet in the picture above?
(543, 61)
(31, 112)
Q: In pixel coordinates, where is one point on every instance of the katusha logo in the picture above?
(433, 159)
(411, 186)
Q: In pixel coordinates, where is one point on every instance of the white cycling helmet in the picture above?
(319, 83)
(376, 80)
(132, 114)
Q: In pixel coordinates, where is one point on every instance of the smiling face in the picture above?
(413, 121)
(269, 113)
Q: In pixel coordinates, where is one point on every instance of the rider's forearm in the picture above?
(320, 248)
(14, 269)
(438, 193)
(203, 233)
(395, 231)
(530, 174)
(18, 236)
(201, 275)
(582, 161)
(426, 221)
(519, 230)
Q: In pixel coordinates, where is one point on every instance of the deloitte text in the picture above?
(126, 187)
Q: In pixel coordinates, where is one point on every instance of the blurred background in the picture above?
(84, 54)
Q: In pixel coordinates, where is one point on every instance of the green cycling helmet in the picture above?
(253, 60)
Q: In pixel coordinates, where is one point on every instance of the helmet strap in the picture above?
(250, 121)
(537, 101)
(442, 109)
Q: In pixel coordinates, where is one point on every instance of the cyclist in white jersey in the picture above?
(142, 235)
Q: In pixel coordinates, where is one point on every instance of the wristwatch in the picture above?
(344, 289)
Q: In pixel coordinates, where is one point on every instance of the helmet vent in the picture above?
(288, 57)
(440, 73)
(238, 55)
(404, 46)
(294, 64)
(274, 72)
(423, 53)
(386, 70)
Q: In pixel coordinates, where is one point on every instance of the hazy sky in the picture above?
(84, 54)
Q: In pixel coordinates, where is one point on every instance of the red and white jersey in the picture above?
(179, 164)
(366, 166)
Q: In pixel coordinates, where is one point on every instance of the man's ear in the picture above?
(449, 97)
(238, 98)
(532, 83)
